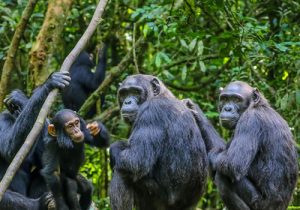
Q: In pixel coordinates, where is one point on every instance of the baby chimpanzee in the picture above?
(64, 155)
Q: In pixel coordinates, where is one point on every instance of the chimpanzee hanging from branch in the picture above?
(84, 81)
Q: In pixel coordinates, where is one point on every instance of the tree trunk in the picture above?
(47, 41)
(12, 51)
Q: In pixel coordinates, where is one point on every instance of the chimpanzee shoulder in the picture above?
(161, 108)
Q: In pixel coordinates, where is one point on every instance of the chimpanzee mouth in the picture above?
(129, 116)
(78, 137)
(228, 123)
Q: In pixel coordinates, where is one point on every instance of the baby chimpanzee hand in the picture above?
(93, 128)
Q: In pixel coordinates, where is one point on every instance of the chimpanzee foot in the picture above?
(47, 202)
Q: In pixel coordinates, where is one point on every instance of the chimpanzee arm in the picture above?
(101, 67)
(210, 135)
(12, 139)
(51, 164)
(90, 80)
(145, 144)
(236, 160)
(101, 139)
(50, 170)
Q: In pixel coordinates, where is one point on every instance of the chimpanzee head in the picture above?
(234, 100)
(137, 89)
(66, 128)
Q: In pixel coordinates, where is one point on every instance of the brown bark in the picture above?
(47, 41)
(12, 51)
(24, 150)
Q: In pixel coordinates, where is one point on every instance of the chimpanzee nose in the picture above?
(228, 108)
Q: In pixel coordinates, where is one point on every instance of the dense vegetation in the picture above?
(195, 47)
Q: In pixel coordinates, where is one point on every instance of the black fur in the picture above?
(258, 168)
(15, 127)
(164, 164)
(62, 160)
(84, 81)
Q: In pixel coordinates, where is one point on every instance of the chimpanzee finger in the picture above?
(8, 99)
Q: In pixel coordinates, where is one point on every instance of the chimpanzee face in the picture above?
(72, 129)
(133, 92)
(233, 101)
(66, 128)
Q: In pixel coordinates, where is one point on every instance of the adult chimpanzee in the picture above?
(258, 168)
(15, 125)
(164, 163)
(84, 81)
(64, 155)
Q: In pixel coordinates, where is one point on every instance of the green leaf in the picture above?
(298, 97)
(281, 47)
(165, 57)
(183, 43)
(184, 73)
(192, 44)
(202, 66)
(168, 75)
(145, 30)
(200, 48)
(158, 60)
(284, 101)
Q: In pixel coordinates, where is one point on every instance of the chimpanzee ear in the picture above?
(51, 130)
(155, 86)
(256, 96)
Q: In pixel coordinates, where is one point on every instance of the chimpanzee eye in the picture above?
(236, 99)
(122, 98)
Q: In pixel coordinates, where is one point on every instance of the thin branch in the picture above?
(133, 49)
(24, 150)
(14, 46)
(108, 114)
(189, 59)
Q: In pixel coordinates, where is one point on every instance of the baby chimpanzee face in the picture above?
(72, 129)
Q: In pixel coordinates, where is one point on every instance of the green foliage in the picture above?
(195, 47)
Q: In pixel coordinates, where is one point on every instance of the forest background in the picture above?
(196, 47)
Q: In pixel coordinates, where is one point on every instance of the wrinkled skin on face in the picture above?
(72, 128)
(233, 101)
(134, 91)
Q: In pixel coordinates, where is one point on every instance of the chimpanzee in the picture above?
(64, 155)
(164, 163)
(15, 125)
(84, 81)
(33, 163)
(258, 168)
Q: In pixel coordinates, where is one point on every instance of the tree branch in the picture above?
(12, 51)
(24, 150)
(188, 59)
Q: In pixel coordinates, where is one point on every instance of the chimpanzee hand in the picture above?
(58, 80)
(94, 128)
(213, 158)
(15, 102)
(195, 109)
(115, 150)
